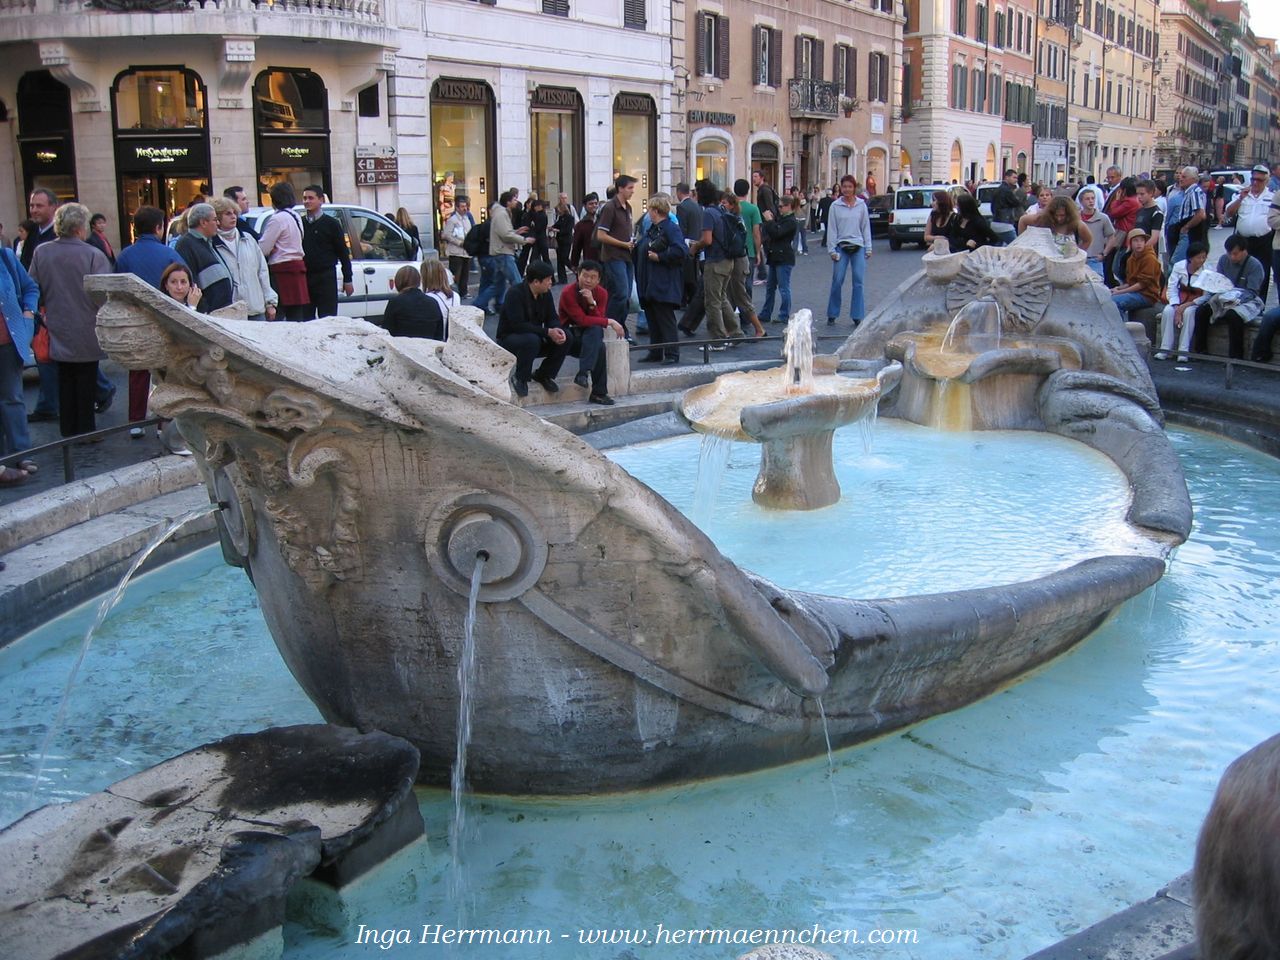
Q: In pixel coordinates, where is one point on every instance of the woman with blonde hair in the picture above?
(407, 225)
(1062, 216)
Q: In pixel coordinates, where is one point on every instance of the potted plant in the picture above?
(849, 104)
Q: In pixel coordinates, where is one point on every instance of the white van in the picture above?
(910, 213)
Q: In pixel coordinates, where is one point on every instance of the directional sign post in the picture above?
(376, 164)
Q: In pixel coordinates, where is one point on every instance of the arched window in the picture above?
(290, 99)
(711, 161)
(159, 98)
(957, 162)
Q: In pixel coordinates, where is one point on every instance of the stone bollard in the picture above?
(618, 357)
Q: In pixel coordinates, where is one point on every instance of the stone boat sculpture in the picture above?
(361, 475)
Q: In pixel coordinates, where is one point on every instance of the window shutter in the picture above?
(756, 64)
(884, 78)
(871, 78)
(700, 42)
(797, 73)
(557, 8)
(818, 70)
(633, 14)
(775, 57)
(853, 71)
(722, 47)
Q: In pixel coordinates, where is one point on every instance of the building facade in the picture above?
(166, 100)
(1057, 32)
(971, 99)
(1188, 96)
(804, 92)
(1112, 87)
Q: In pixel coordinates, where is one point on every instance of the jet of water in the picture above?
(797, 349)
(458, 783)
(105, 608)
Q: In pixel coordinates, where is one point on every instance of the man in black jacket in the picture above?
(529, 327)
(323, 248)
(1008, 203)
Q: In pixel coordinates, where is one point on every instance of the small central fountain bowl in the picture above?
(792, 413)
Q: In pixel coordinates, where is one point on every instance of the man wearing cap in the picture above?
(1142, 287)
(1250, 209)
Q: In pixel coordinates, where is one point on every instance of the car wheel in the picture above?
(895, 244)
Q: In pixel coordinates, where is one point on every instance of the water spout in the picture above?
(975, 328)
(107, 605)
(713, 460)
(797, 349)
(458, 783)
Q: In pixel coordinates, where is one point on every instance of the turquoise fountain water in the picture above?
(991, 831)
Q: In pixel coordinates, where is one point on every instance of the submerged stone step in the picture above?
(198, 854)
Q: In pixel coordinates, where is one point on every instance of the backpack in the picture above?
(476, 242)
(735, 236)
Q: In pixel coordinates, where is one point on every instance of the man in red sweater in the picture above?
(582, 312)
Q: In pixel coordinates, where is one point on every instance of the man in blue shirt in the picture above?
(146, 258)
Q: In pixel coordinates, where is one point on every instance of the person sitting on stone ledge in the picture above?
(529, 328)
(582, 313)
(1234, 307)
(1237, 866)
(1142, 281)
(412, 313)
(1183, 298)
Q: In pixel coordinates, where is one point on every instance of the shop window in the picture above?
(711, 161)
(290, 100)
(159, 98)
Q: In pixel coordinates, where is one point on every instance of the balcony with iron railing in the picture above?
(76, 19)
(813, 99)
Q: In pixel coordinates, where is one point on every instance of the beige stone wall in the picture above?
(733, 112)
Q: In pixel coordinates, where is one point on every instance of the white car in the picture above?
(378, 247)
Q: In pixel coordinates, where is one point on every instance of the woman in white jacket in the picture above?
(1185, 296)
(250, 278)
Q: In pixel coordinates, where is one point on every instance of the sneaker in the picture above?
(1160, 355)
(548, 384)
(103, 405)
(581, 380)
(1182, 358)
(601, 398)
(831, 321)
(135, 433)
(758, 283)
(521, 387)
(718, 346)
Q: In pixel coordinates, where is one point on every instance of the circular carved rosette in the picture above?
(477, 523)
(1014, 277)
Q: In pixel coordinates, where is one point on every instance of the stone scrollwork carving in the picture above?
(1015, 277)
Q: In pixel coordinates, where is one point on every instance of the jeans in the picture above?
(587, 343)
(1275, 272)
(1096, 267)
(1262, 341)
(1126, 302)
(13, 409)
(855, 263)
(47, 399)
(502, 274)
(1180, 251)
(619, 278)
(779, 282)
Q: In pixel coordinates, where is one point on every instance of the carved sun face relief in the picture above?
(1016, 278)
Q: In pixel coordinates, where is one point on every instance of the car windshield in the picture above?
(913, 199)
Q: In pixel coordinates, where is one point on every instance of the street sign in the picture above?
(376, 164)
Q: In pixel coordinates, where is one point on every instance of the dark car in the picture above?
(879, 208)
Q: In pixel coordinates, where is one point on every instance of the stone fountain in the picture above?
(617, 647)
(792, 414)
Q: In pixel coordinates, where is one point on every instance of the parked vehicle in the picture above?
(878, 208)
(378, 247)
(910, 213)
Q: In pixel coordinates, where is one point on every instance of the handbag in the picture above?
(848, 246)
(658, 241)
(40, 343)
